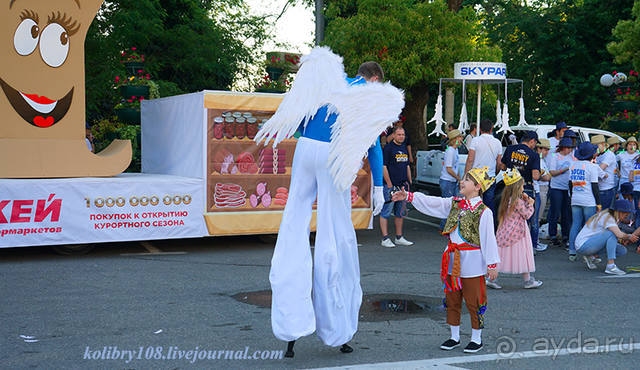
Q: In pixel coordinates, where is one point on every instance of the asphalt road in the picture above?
(80, 312)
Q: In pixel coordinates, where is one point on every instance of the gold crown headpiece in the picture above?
(481, 175)
(511, 176)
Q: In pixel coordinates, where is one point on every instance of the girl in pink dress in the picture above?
(514, 240)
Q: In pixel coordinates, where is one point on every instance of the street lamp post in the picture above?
(319, 22)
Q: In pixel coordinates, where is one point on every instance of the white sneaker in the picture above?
(596, 259)
(541, 247)
(532, 284)
(573, 257)
(614, 271)
(403, 241)
(387, 243)
(492, 284)
(589, 262)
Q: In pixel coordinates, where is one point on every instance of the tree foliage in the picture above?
(189, 45)
(626, 47)
(415, 42)
(559, 49)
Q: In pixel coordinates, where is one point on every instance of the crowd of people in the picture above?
(593, 189)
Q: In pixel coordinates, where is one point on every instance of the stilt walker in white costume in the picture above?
(340, 120)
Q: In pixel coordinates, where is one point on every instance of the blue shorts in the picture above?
(399, 208)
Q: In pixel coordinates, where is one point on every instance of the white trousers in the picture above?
(326, 296)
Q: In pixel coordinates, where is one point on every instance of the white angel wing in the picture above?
(365, 110)
(321, 74)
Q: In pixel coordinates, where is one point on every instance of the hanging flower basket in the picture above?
(623, 126)
(129, 116)
(625, 105)
(275, 73)
(127, 91)
(133, 67)
(268, 90)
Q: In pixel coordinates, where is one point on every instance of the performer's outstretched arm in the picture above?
(375, 161)
(427, 204)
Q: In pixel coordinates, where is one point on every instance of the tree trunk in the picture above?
(454, 5)
(414, 111)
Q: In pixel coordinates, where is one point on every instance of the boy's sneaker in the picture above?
(573, 257)
(403, 241)
(590, 264)
(492, 284)
(449, 344)
(532, 284)
(595, 259)
(472, 347)
(541, 247)
(614, 270)
(387, 243)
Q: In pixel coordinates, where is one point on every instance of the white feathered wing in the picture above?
(321, 74)
(365, 111)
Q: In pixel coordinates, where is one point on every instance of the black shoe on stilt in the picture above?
(346, 348)
(289, 352)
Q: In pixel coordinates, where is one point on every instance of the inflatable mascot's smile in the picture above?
(42, 102)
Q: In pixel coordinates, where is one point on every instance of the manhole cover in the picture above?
(260, 298)
(375, 307)
(384, 307)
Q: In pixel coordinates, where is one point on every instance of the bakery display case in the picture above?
(247, 185)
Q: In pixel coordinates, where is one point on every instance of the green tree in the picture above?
(626, 47)
(558, 48)
(415, 42)
(189, 45)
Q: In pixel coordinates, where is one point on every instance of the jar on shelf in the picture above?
(237, 114)
(241, 128)
(218, 128)
(228, 127)
(252, 127)
(227, 114)
(247, 115)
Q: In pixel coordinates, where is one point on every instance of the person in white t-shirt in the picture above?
(486, 151)
(627, 158)
(449, 178)
(541, 187)
(473, 132)
(559, 192)
(585, 194)
(607, 162)
(601, 232)
(561, 127)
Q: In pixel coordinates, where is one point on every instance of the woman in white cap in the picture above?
(601, 232)
(626, 158)
(449, 178)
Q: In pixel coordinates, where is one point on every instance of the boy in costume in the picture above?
(472, 252)
(341, 121)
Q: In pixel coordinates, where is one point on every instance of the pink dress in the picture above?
(516, 256)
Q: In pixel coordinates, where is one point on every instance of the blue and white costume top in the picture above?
(319, 128)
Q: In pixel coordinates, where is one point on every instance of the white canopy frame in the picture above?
(503, 120)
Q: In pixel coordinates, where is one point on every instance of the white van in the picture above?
(429, 162)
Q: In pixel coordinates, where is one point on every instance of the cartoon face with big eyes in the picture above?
(42, 103)
(50, 36)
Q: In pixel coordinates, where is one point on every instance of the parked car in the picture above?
(429, 162)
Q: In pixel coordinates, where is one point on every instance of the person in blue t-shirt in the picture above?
(523, 158)
(396, 173)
